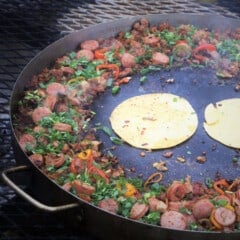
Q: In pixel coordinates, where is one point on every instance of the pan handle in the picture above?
(27, 197)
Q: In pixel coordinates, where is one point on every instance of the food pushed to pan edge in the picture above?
(54, 115)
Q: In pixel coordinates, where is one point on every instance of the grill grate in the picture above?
(28, 26)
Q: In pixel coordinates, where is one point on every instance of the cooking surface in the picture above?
(26, 27)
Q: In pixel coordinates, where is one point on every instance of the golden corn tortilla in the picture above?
(222, 121)
(154, 121)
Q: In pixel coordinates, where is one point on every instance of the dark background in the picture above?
(26, 27)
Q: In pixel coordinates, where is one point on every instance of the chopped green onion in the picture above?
(116, 140)
(115, 90)
(143, 79)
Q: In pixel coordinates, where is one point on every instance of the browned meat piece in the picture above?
(62, 127)
(173, 220)
(125, 72)
(68, 70)
(39, 113)
(57, 74)
(50, 101)
(37, 159)
(77, 165)
(141, 25)
(111, 43)
(224, 216)
(151, 40)
(83, 188)
(138, 210)
(181, 204)
(190, 219)
(54, 160)
(109, 205)
(160, 58)
(97, 84)
(128, 60)
(198, 189)
(61, 107)
(56, 89)
(156, 205)
(27, 140)
(202, 208)
(238, 194)
(67, 186)
(176, 191)
(90, 45)
(61, 60)
(88, 54)
(168, 154)
(200, 35)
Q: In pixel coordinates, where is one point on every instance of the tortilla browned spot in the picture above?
(154, 121)
(222, 121)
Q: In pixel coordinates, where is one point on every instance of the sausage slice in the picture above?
(128, 60)
(27, 140)
(174, 220)
(39, 113)
(160, 58)
(90, 45)
(109, 205)
(138, 210)
(224, 216)
(202, 208)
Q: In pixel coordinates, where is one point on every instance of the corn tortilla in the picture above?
(222, 121)
(154, 121)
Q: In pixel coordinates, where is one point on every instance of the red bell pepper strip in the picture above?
(100, 53)
(99, 172)
(92, 169)
(208, 47)
(218, 185)
(113, 67)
